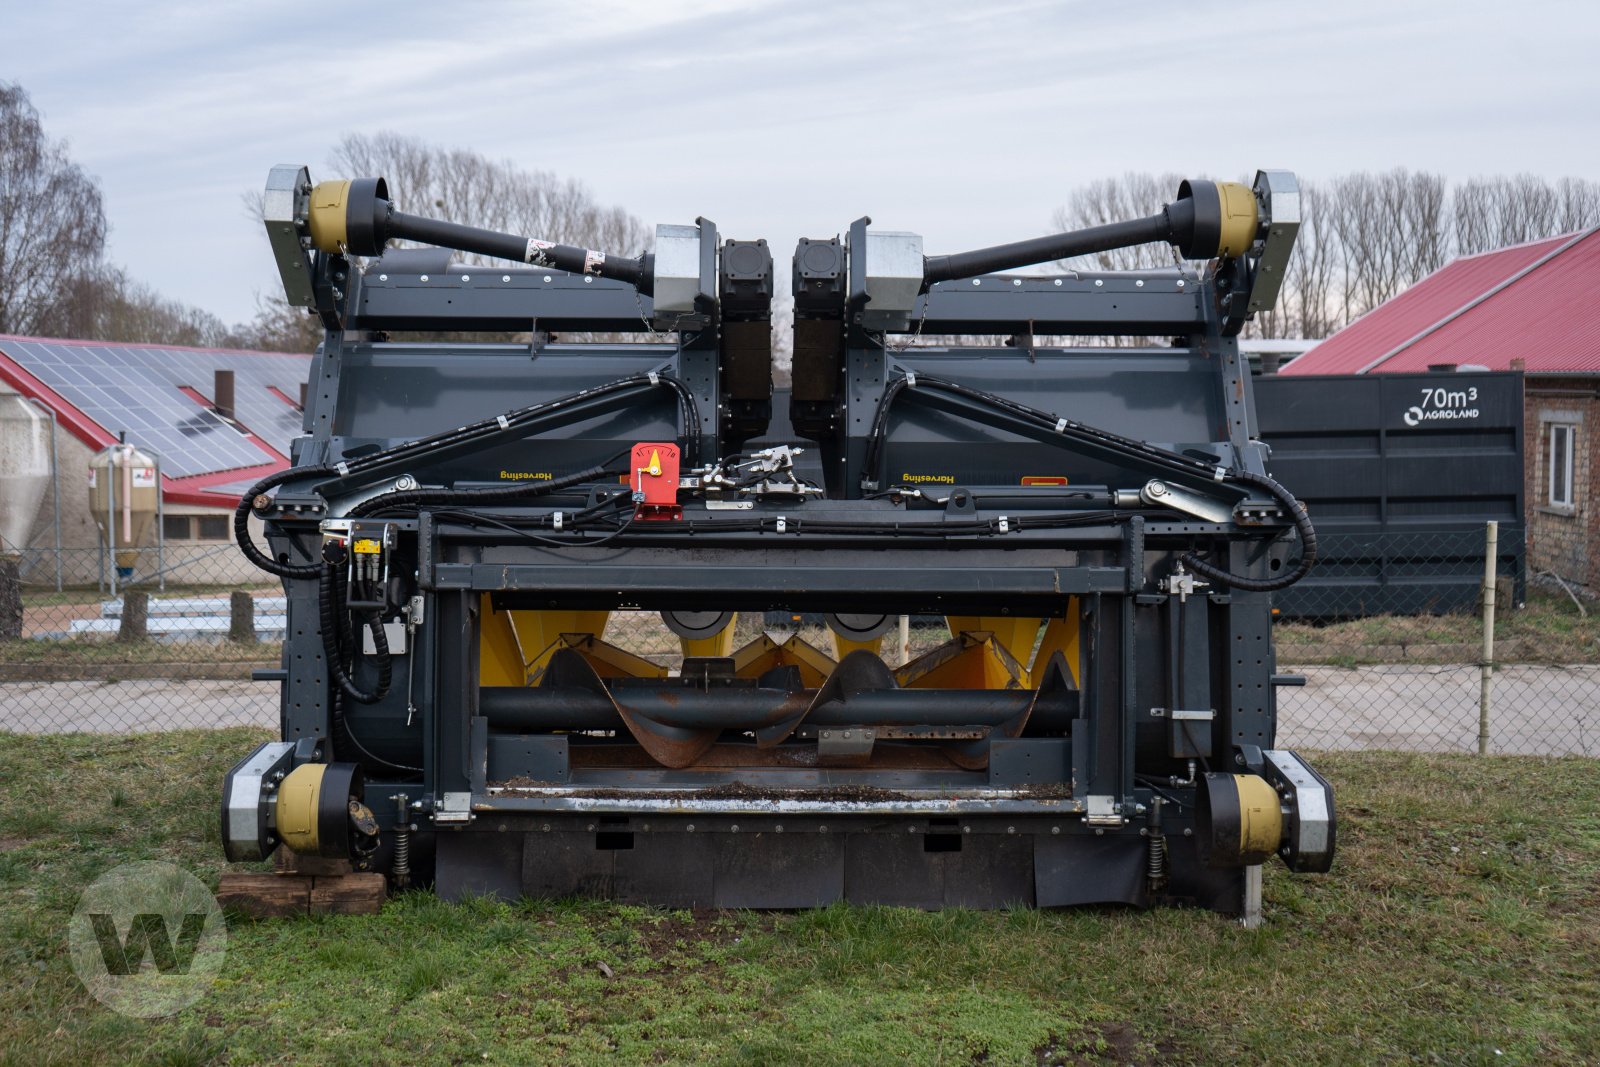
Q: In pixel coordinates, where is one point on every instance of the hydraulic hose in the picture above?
(329, 609)
(688, 413)
(1302, 524)
(1159, 457)
(491, 494)
(241, 525)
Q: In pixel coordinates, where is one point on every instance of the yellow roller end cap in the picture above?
(296, 807)
(1239, 219)
(327, 215)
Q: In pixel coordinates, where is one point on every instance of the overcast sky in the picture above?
(967, 122)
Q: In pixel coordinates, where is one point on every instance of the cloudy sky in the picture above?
(967, 122)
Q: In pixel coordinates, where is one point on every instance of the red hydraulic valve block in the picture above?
(655, 481)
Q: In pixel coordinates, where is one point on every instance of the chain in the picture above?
(649, 328)
(916, 336)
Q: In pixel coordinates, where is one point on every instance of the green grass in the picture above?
(1547, 630)
(1459, 926)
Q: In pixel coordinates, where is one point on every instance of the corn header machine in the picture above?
(599, 439)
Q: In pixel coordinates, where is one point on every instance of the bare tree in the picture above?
(1490, 213)
(1391, 230)
(1131, 196)
(52, 223)
(279, 327)
(462, 186)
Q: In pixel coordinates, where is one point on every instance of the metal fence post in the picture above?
(1491, 544)
(111, 524)
(55, 487)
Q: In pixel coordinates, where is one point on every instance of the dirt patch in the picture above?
(8, 844)
(660, 939)
(1105, 1044)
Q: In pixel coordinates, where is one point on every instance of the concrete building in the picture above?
(173, 402)
(1531, 307)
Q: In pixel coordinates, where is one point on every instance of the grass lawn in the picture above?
(1459, 926)
(1548, 629)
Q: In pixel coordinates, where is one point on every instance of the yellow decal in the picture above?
(367, 547)
(525, 476)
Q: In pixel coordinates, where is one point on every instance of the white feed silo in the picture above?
(124, 488)
(24, 469)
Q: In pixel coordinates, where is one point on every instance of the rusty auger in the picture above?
(676, 721)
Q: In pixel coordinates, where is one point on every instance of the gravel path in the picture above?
(135, 707)
(1536, 710)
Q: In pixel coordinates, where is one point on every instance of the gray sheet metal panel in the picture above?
(1244, 671)
(305, 693)
(1400, 473)
(1190, 882)
(390, 393)
(1088, 870)
(541, 758)
(1084, 303)
(477, 864)
(779, 870)
(495, 299)
(791, 870)
(662, 870)
(564, 865)
(899, 870)
(1165, 396)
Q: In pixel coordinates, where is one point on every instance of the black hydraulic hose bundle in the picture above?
(1302, 524)
(1158, 457)
(688, 411)
(489, 494)
(330, 605)
(241, 525)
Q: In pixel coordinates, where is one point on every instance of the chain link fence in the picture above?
(1390, 644)
(1388, 632)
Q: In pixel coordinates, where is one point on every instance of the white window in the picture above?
(1563, 437)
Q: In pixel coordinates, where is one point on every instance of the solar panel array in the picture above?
(137, 389)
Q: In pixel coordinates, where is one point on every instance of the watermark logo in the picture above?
(147, 939)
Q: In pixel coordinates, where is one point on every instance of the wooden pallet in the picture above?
(303, 886)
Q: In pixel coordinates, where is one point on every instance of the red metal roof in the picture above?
(136, 378)
(1538, 302)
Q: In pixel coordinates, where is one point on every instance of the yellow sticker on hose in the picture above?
(367, 547)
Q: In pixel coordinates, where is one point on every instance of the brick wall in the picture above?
(1566, 542)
